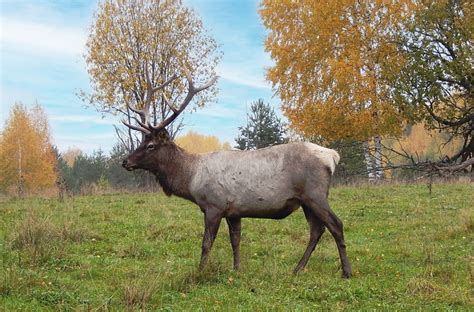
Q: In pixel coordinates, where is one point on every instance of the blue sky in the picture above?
(42, 47)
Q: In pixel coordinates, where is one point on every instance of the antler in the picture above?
(192, 91)
(145, 112)
(146, 126)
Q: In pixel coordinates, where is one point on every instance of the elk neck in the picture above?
(174, 170)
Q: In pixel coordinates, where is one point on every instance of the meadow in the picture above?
(409, 250)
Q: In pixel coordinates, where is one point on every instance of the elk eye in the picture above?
(150, 146)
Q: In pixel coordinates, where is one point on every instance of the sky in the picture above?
(41, 60)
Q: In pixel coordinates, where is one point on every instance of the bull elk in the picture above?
(267, 183)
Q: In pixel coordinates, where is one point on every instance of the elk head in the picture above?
(144, 156)
(156, 137)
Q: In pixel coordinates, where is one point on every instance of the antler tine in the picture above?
(164, 84)
(192, 91)
(165, 99)
(195, 90)
(188, 76)
(142, 124)
(207, 85)
(145, 112)
(138, 111)
(141, 129)
(149, 94)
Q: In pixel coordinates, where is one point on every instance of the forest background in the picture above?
(387, 84)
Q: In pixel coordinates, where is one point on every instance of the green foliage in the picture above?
(103, 184)
(410, 251)
(86, 170)
(99, 172)
(263, 128)
(62, 167)
(437, 85)
(352, 165)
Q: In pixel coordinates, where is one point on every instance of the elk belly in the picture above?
(271, 212)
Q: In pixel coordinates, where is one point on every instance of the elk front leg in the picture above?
(234, 234)
(212, 220)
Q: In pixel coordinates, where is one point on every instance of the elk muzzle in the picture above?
(128, 165)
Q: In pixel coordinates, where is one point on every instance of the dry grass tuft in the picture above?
(467, 220)
(40, 237)
(34, 234)
(138, 294)
(69, 232)
(422, 287)
(9, 280)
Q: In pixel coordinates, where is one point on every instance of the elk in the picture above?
(267, 183)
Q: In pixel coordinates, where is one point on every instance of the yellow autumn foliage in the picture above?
(328, 65)
(70, 155)
(26, 152)
(424, 144)
(196, 143)
(132, 41)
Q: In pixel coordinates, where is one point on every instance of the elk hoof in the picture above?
(346, 274)
(297, 270)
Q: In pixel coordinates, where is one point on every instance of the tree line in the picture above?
(346, 72)
(33, 165)
(353, 75)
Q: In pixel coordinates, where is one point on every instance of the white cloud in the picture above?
(250, 74)
(38, 37)
(81, 119)
(243, 79)
(218, 111)
(87, 144)
(87, 138)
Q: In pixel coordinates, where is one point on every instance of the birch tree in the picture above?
(328, 68)
(26, 153)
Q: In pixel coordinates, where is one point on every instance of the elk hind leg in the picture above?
(321, 209)
(316, 230)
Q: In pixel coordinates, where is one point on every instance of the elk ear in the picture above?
(161, 135)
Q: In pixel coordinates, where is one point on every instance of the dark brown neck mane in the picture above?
(174, 170)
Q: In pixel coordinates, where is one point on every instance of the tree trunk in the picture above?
(369, 161)
(378, 158)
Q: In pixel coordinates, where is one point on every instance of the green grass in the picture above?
(409, 251)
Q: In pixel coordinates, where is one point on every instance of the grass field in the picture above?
(409, 251)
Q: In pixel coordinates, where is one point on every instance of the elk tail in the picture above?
(335, 158)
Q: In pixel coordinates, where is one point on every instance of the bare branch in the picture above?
(453, 168)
